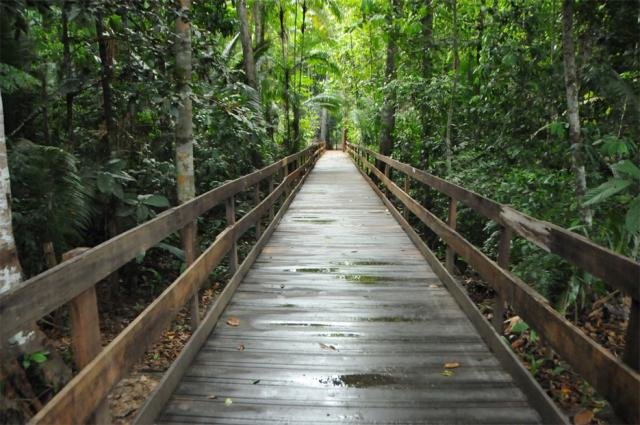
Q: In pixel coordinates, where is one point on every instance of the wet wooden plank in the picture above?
(339, 324)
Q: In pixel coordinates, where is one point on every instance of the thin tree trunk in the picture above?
(67, 73)
(388, 113)
(248, 62)
(456, 60)
(107, 97)
(427, 46)
(573, 112)
(185, 180)
(259, 10)
(285, 93)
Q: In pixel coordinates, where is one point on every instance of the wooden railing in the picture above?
(615, 380)
(73, 282)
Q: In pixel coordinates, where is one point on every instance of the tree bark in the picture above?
(66, 74)
(455, 65)
(248, 62)
(259, 12)
(107, 97)
(426, 69)
(185, 180)
(388, 113)
(285, 66)
(573, 111)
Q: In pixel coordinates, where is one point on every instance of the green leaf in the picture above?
(519, 327)
(628, 168)
(606, 190)
(632, 219)
(105, 183)
(39, 357)
(142, 212)
(157, 201)
(179, 253)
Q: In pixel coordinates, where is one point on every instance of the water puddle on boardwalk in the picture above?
(360, 380)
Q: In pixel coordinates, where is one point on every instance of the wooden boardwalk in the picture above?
(341, 320)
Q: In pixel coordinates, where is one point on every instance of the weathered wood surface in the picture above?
(341, 320)
(615, 380)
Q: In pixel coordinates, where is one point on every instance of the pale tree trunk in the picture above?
(323, 124)
(67, 73)
(456, 61)
(573, 112)
(248, 62)
(388, 113)
(30, 339)
(185, 180)
(259, 11)
(425, 68)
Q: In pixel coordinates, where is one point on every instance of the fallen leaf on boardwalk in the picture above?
(228, 402)
(447, 372)
(240, 347)
(583, 417)
(433, 285)
(233, 321)
(327, 347)
(256, 382)
(212, 397)
(451, 365)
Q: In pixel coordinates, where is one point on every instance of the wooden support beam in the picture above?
(256, 199)
(632, 346)
(271, 209)
(85, 334)
(504, 254)
(230, 212)
(452, 219)
(189, 245)
(407, 188)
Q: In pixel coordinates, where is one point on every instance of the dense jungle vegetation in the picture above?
(115, 110)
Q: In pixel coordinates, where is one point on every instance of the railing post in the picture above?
(632, 346)
(284, 177)
(271, 209)
(504, 254)
(190, 254)
(344, 139)
(386, 174)
(451, 220)
(256, 198)
(230, 212)
(85, 334)
(407, 188)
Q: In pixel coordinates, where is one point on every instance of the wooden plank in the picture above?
(157, 400)
(450, 256)
(230, 214)
(504, 254)
(189, 244)
(616, 270)
(47, 291)
(613, 379)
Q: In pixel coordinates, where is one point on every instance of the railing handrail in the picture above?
(617, 381)
(617, 270)
(47, 291)
(85, 393)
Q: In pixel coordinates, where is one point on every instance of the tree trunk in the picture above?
(323, 124)
(573, 113)
(388, 113)
(427, 46)
(285, 92)
(30, 339)
(248, 62)
(107, 98)
(185, 180)
(67, 73)
(456, 61)
(259, 11)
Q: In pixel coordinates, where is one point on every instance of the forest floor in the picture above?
(604, 322)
